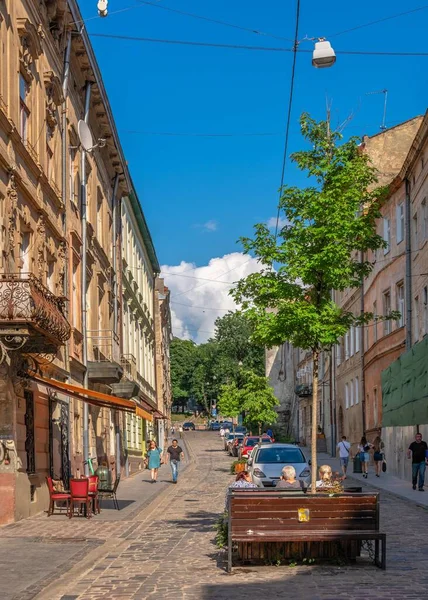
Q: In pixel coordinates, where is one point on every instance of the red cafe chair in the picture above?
(79, 494)
(55, 496)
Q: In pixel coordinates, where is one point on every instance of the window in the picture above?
(400, 303)
(400, 222)
(387, 234)
(424, 219)
(24, 110)
(357, 339)
(339, 353)
(425, 309)
(75, 308)
(386, 311)
(72, 174)
(375, 321)
(351, 393)
(415, 237)
(346, 395)
(100, 218)
(347, 345)
(50, 276)
(352, 341)
(416, 320)
(357, 390)
(24, 254)
(375, 407)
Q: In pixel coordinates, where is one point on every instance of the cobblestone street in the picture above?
(163, 548)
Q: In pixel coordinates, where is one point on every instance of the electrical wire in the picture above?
(221, 275)
(218, 22)
(402, 14)
(290, 106)
(196, 277)
(257, 48)
(201, 307)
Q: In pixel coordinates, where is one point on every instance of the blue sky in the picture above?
(230, 183)
(184, 182)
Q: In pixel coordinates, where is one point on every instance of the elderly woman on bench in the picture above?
(288, 480)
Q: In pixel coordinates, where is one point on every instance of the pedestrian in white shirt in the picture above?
(344, 448)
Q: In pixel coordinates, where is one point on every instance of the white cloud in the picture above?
(271, 223)
(208, 226)
(201, 294)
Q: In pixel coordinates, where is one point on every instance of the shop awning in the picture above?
(144, 414)
(89, 396)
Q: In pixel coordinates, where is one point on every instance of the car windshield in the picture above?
(232, 436)
(280, 455)
(253, 441)
(187, 424)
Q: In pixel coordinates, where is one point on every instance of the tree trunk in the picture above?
(260, 429)
(314, 466)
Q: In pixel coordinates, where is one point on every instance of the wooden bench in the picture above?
(338, 525)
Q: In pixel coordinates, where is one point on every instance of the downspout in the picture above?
(408, 268)
(363, 377)
(64, 138)
(115, 308)
(84, 287)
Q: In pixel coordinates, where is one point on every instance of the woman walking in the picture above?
(378, 446)
(364, 449)
(154, 459)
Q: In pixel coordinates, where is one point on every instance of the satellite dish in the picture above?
(85, 136)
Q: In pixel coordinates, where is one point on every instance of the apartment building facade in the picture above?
(163, 336)
(139, 270)
(61, 302)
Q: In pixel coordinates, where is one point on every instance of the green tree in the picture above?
(233, 335)
(183, 355)
(323, 247)
(255, 399)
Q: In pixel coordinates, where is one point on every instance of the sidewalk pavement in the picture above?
(386, 482)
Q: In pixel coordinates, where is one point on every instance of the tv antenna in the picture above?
(385, 93)
(85, 137)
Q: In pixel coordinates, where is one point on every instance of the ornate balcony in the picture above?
(104, 356)
(31, 317)
(128, 387)
(303, 390)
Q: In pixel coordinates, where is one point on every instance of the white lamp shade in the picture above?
(323, 56)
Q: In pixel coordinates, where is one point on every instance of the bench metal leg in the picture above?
(383, 563)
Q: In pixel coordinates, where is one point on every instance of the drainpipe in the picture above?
(84, 287)
(363, 377)
(408, 268)
(64, 138)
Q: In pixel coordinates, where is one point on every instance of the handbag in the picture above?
(384, 466)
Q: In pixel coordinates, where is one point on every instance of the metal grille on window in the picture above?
(29, 425)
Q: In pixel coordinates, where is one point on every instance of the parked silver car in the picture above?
(267, 461)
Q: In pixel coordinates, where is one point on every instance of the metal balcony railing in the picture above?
(129, 365)
(103, 345)
(25, 300)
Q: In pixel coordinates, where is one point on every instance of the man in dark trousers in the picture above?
(174, 455)
(418, 453)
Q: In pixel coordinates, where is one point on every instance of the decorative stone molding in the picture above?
(31, 47)
(12, 194)
(54, 97)
(41, 237)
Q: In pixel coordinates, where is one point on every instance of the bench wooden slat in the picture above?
(302, 500)
(321, 525)
(316, 536)
(241, 513)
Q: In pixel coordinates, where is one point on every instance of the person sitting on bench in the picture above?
(288, 480)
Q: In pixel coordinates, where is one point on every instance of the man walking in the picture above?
(174, 455)
(418, 453)
(344, 450)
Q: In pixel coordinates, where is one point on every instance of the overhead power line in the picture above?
(217, 21)
(290, 106)
(382, 20)
(220, 135)
(255, 48)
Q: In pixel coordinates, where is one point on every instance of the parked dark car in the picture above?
(215, 426)
(189, 426)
